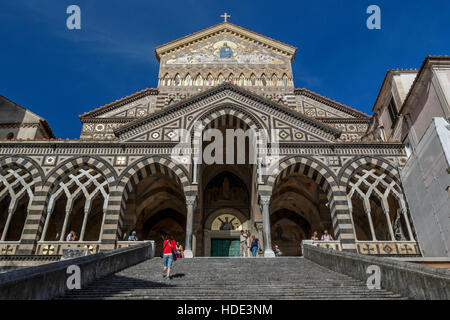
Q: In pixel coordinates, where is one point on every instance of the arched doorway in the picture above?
(227, 185)
(226, 208)
(298, 207)
(288, 230)
(155, 207)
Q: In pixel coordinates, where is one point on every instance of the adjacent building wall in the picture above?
(426, 182)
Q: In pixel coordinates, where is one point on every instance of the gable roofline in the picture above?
(118, 103)
(387, 81)
(418, 83)
(226, 86)
(220, 27)
(331, 103)
(42, 121)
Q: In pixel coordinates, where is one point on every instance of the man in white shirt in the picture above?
(326, 236)
(243, 244)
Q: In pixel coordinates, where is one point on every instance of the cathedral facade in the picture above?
(318, 165)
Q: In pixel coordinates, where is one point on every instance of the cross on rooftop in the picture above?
(225, 16)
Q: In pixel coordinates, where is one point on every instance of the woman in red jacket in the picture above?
(169, 246)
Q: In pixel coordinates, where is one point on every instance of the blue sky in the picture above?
(59, 73)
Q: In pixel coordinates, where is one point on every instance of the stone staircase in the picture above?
(230, 278)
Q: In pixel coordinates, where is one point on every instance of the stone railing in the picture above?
(388, 248)
(407, 279)
(126, 244)
(335, 245)
(50, 248)
(8, 248)
(374, 248)
(50, 280)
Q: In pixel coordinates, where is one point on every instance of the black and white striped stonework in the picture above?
(327, 181)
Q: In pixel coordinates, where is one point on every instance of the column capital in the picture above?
(264, 200)
(190, 200)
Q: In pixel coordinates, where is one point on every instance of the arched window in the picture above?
(242, 80)
(231, 78)
(210, 80)
(285, 80)
(166, 80)
(263, 80)
(177, 80)
(187, 80)
(274, 80)
(253, 80)
(221, 79)
(199, 80)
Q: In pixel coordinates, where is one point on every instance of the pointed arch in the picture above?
(177, 80)
(285, 80)
(166, 80)
(263, 80)
(231, 78)
(199, 80)
(242, 80)
(274, 80)
(220, 79)
(210, 80)
(188, 80)
(252, 80)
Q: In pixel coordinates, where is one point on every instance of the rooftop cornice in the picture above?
(118, 103)
(330, 102)
(427, 64)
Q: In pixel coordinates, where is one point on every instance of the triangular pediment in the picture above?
(291, 126)
(230, 29)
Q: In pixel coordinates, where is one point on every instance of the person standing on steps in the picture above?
(180, 253)
(254, 245)
(326, 236)
(243, 244)
(169, 254)
(133, 237)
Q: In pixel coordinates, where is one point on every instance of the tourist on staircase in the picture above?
(169, 255)
(243, 244)
(277, 251)
(326, 236)
(180, 251)
(133, 237)
(255, 245)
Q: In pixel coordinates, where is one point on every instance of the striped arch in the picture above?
(336, 195)
(26, 164)
(128, 180)
(305, 166)
(74, 163)
(26, 174)
(380, 164)
(221, 113)
(385, 181)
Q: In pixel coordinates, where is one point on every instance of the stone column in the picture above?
(190, 204)
(264, 202)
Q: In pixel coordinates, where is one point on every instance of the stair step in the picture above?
(231, 279)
